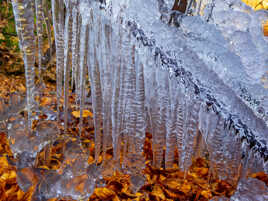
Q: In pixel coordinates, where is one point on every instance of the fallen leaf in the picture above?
(86, 113)
(265, 28)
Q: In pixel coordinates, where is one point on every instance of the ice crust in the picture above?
(250, 189)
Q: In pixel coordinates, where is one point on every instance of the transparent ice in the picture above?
(193, 80)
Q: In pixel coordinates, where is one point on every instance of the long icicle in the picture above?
(171, 140)
(190, 132)
(129, 114)
(58, 25)
(118, 94)
(95, 81)
(107, 83)
(159, 114)
(140, 109)
(39, 26)
(83, 54)
(24, 17)
(67, 63)
(75, 49)
(47, 18)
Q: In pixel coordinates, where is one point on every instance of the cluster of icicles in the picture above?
(131, 94)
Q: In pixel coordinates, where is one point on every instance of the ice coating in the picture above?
(250, 189)
(194, 87)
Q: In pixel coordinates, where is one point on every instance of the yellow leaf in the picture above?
(8, 175)
(207, 194)
(158, 192)
(185, 188)
(86, 113)
(104, 193)
(21, 88)
(90, 160)
(3, 162)
(45, 101)
(2, 37)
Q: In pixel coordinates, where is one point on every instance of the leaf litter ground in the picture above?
(160, 184)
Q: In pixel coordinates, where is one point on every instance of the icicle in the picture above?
(58, 25)
(215, 142)
(232, 158)
(221, 143)
(245, 162)
(95, 80)
(74, 44)
(190, 131)
(129, 82)
(204, 126)
(265, 166)
(76, 27)
(171, 140)
(107, 89)
(46, 19)
(140, 110)
(203, 119)
(159, 112)
(83, 53)
(39, 26)
(118, 91)
(212, 119)
(24, 18)
(67, 37)
(180, 120)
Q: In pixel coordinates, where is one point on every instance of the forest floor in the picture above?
(160, 184)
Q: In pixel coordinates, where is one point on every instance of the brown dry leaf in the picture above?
(172, 184)
(185, 188)
(158, 192)
(29, 174)
(80, 182)
(265, 28)
(261, 176)
(21, 88)
(90, 160)
(207, 194)
(45, 101)
(8, 175)
(86, 113)
(220, 188)
(104, 193)
(160, 184)
(3, 163)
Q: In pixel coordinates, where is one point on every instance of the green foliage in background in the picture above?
(10, 57)
(8, 35)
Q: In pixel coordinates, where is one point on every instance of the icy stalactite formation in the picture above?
(39, 24)
(24, 16)
(58, 26)
(145, 74)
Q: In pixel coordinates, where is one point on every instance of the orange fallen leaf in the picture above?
(104, 193)
(265, 28)
(158, 192)
(207, 194)
(261, 176)
(45, 101)
(86, 113)
(185, 188)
